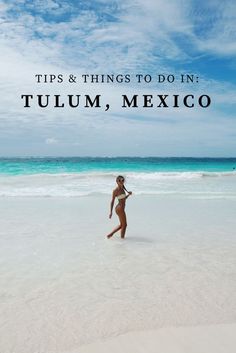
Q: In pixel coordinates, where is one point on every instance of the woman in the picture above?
(119, 192)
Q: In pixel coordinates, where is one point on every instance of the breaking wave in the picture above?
(82, 184)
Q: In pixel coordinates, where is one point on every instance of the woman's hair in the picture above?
(121, 177)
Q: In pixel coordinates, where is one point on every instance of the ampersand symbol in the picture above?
(72, 78)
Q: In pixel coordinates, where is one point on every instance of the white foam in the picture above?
(214, 184)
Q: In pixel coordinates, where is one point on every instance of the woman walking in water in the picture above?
(119, 192)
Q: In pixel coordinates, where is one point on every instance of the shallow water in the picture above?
(190, 184)
(74, 177)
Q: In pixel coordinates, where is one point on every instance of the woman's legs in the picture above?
(123, 224)
(114, 231)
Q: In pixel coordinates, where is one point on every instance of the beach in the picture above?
(127, 105)
(65, 288)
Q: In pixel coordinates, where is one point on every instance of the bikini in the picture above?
(121, 196)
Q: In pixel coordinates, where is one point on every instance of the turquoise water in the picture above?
(22, 166)
(74, 177)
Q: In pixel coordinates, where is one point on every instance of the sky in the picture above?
(152, 37)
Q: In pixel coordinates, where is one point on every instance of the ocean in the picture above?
(80, 176)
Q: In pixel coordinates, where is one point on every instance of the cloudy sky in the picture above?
(148, 37)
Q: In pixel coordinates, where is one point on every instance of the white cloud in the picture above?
(51, 141)
(142, 34)
(140, 38)
(215, 27)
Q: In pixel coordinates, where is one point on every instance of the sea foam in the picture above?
(203, 184)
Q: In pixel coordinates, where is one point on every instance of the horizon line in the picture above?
(109, 157)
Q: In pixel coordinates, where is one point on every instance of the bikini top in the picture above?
(121, 196)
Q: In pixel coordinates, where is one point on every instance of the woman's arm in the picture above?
(112, 203)
(129, 193)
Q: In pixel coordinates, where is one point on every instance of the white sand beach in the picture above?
(214, 338)
(168, 287)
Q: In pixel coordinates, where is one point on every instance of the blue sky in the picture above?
(150, 37)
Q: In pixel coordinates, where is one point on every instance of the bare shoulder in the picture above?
(115, 192)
